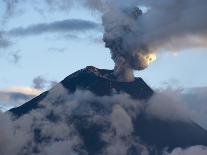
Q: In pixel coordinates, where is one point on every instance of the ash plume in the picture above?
(168, 25)
(123, 39)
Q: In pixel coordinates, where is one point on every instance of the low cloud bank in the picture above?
(68, 25)
(57, 134)
(16, 96)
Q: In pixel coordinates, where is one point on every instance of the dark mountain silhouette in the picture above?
(99, 81)
(155, 133)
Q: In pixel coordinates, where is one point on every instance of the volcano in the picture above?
(101, 82)
(153, 133)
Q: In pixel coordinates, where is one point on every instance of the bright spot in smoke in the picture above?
(150, 58)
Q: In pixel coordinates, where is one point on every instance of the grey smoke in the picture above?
(167, 25)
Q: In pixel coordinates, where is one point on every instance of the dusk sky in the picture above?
(48, 45)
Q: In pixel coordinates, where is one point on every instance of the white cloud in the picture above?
(194, 150)
(168, 105)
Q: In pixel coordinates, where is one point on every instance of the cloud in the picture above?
(14, 56)
(23, 90)
(168, 105)
(39, 82)
(5, 49)
(196, 100)
(194, 150)
(16, 96)
(53, 83)
(179, 105)
(4, 43)
(58, 50)
(59, 134)
(68, 25)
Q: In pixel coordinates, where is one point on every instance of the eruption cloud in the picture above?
(134, 36)
(122, 36)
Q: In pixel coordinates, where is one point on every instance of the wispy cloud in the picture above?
(14, 56)
(41, 83)
(57, 50)
(4, 42)
(68, 25)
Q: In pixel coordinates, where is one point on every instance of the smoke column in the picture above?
(123, 38)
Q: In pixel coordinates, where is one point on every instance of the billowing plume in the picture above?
(133, 36)
(122, 36)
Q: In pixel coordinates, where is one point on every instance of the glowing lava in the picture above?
(150, 58)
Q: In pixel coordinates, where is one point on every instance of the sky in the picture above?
(44, 47)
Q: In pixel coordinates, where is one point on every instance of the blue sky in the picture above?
(55, 55)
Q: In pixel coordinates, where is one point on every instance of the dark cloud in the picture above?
(39, 82)
(68, 25)
(42, 83)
